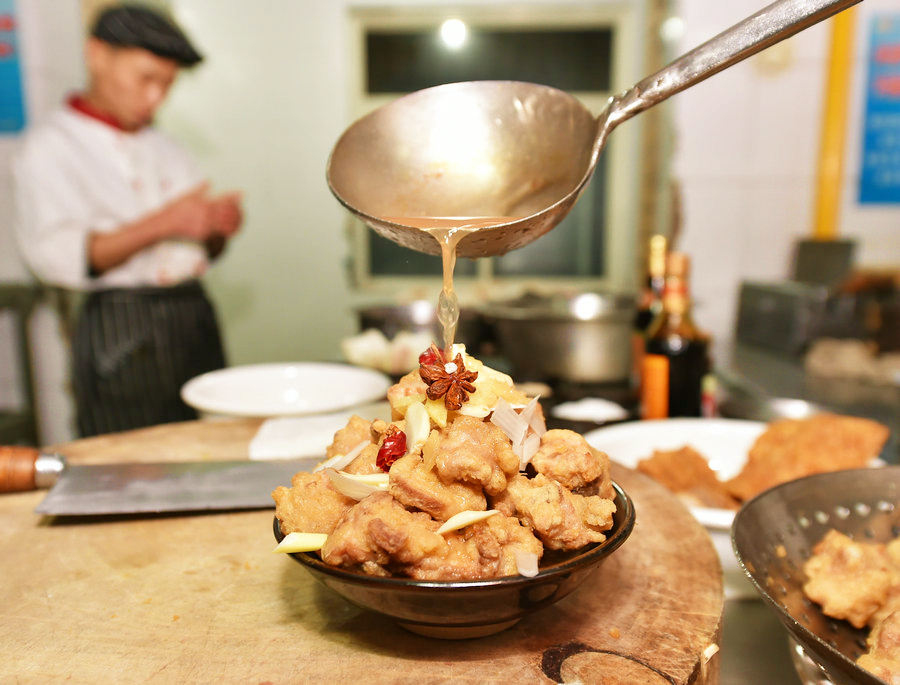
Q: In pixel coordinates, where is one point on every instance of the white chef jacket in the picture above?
(77, 174)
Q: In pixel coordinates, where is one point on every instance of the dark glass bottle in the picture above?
(676, 357)
(649, 304)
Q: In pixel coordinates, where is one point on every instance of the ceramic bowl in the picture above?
(773, 535)
(467, 609)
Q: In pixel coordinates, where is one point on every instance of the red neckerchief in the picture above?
(80, 104)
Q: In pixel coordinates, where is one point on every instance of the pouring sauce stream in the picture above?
(448, 231)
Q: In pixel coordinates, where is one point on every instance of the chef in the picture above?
(109, 206)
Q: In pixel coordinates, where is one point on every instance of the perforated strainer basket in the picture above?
(773, 535)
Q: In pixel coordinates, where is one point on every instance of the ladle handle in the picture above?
(770, 25)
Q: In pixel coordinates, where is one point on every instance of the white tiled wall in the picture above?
(747, 146)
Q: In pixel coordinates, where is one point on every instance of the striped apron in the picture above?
(132, 351)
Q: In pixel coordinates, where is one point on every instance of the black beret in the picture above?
(132, 26)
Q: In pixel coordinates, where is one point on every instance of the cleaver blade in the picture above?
(163, 487)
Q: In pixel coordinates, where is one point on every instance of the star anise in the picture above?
(449, 380)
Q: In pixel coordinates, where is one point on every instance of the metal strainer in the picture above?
(773, 535)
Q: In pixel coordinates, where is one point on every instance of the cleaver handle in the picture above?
(26, 468)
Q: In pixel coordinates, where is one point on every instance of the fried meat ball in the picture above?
(415, 485)
(559, 518)
(310, 505)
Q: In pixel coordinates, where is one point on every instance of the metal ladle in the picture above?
(519, 151)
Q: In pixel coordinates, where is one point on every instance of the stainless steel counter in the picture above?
(782, 375)
(754, 646)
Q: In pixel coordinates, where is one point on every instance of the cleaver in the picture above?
(145, 488)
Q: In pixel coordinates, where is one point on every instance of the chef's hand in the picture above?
(227, 217)
(190, 216)
(227, 214)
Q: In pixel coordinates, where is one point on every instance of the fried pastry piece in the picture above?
(686, 472)
(851, 580)
(883, 658)
(365, 462)
(356, 431)
(348, 438)
(409, 385)
(379, 533)
(472, 451)
(566, 457)
(310, 505)
(482, 550)
(793, 448)
(892, 601)
(418, 487)
(559, 518)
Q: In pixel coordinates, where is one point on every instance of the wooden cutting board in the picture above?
(202, 599)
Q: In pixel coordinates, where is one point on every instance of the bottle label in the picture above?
(654, 386)
(637, 357)
(708, 397)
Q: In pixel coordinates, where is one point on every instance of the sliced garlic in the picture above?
(339, 461)
(465, 518)
(526, 563)
(379, 480)
(418, 426)
(478, 411)
(533, 417)
(527, 449)
(509, 421)
(301, 542)
(357, 486)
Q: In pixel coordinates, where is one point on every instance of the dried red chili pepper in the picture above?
(432, 355)
(393, 447)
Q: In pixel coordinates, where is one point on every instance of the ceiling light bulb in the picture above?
(672, 29)
(453, 33)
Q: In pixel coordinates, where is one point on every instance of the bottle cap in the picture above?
(658, 244)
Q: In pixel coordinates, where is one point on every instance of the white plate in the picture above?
(295, 437)
(290, 389)
(725, 444)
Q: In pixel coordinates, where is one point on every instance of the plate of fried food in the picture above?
(462, 513)
(715, 465)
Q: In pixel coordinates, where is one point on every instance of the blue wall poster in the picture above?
(12, 100)
(879, 179)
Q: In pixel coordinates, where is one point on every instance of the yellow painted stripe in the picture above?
(834, 126)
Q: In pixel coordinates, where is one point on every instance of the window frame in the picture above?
(623, 147)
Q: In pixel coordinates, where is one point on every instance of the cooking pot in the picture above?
(582, 338)
(742, 398)
(420, 316)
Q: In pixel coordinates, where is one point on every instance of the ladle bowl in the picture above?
(518, 152)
